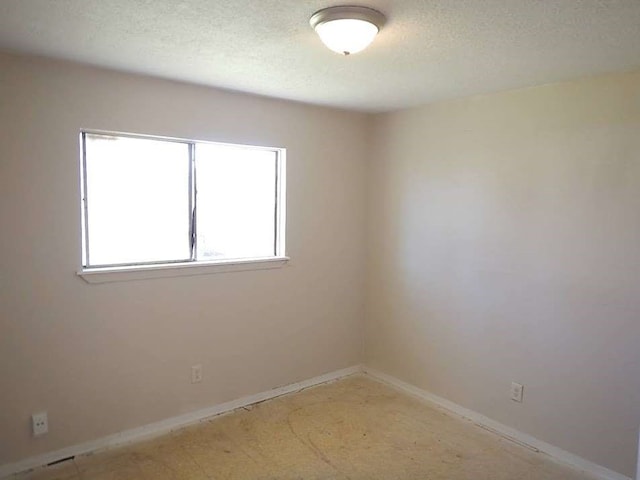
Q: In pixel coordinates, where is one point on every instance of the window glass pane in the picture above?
(138, 200)
(236, 189)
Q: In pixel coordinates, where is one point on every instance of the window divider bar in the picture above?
(193, 237)
(276, 211)
(85, 200)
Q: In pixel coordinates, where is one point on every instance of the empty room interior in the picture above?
(305, 239)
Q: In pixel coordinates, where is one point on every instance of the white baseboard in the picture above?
(164, 426)
(516, 436)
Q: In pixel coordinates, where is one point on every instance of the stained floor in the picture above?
(355, 428)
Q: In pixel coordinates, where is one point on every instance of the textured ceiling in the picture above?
(429, 50)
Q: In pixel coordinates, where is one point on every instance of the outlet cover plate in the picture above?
(196, 374)
(39, 423)
(517, 392)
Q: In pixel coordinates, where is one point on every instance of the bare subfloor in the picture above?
(354, 428)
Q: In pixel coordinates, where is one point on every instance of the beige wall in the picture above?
(104, 358)
(504, 245)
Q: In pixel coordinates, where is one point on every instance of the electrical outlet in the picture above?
(517, 392)
(39, 423)
(196, 374)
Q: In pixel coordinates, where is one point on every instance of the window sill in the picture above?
(143, 272)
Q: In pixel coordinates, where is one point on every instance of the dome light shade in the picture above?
(347, 35)
(347, 30)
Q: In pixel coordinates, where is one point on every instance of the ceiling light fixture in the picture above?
(347, 29)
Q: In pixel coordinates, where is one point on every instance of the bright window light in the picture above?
(155, 201)
(244, 179)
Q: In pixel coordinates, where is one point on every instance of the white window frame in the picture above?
(148, 270)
